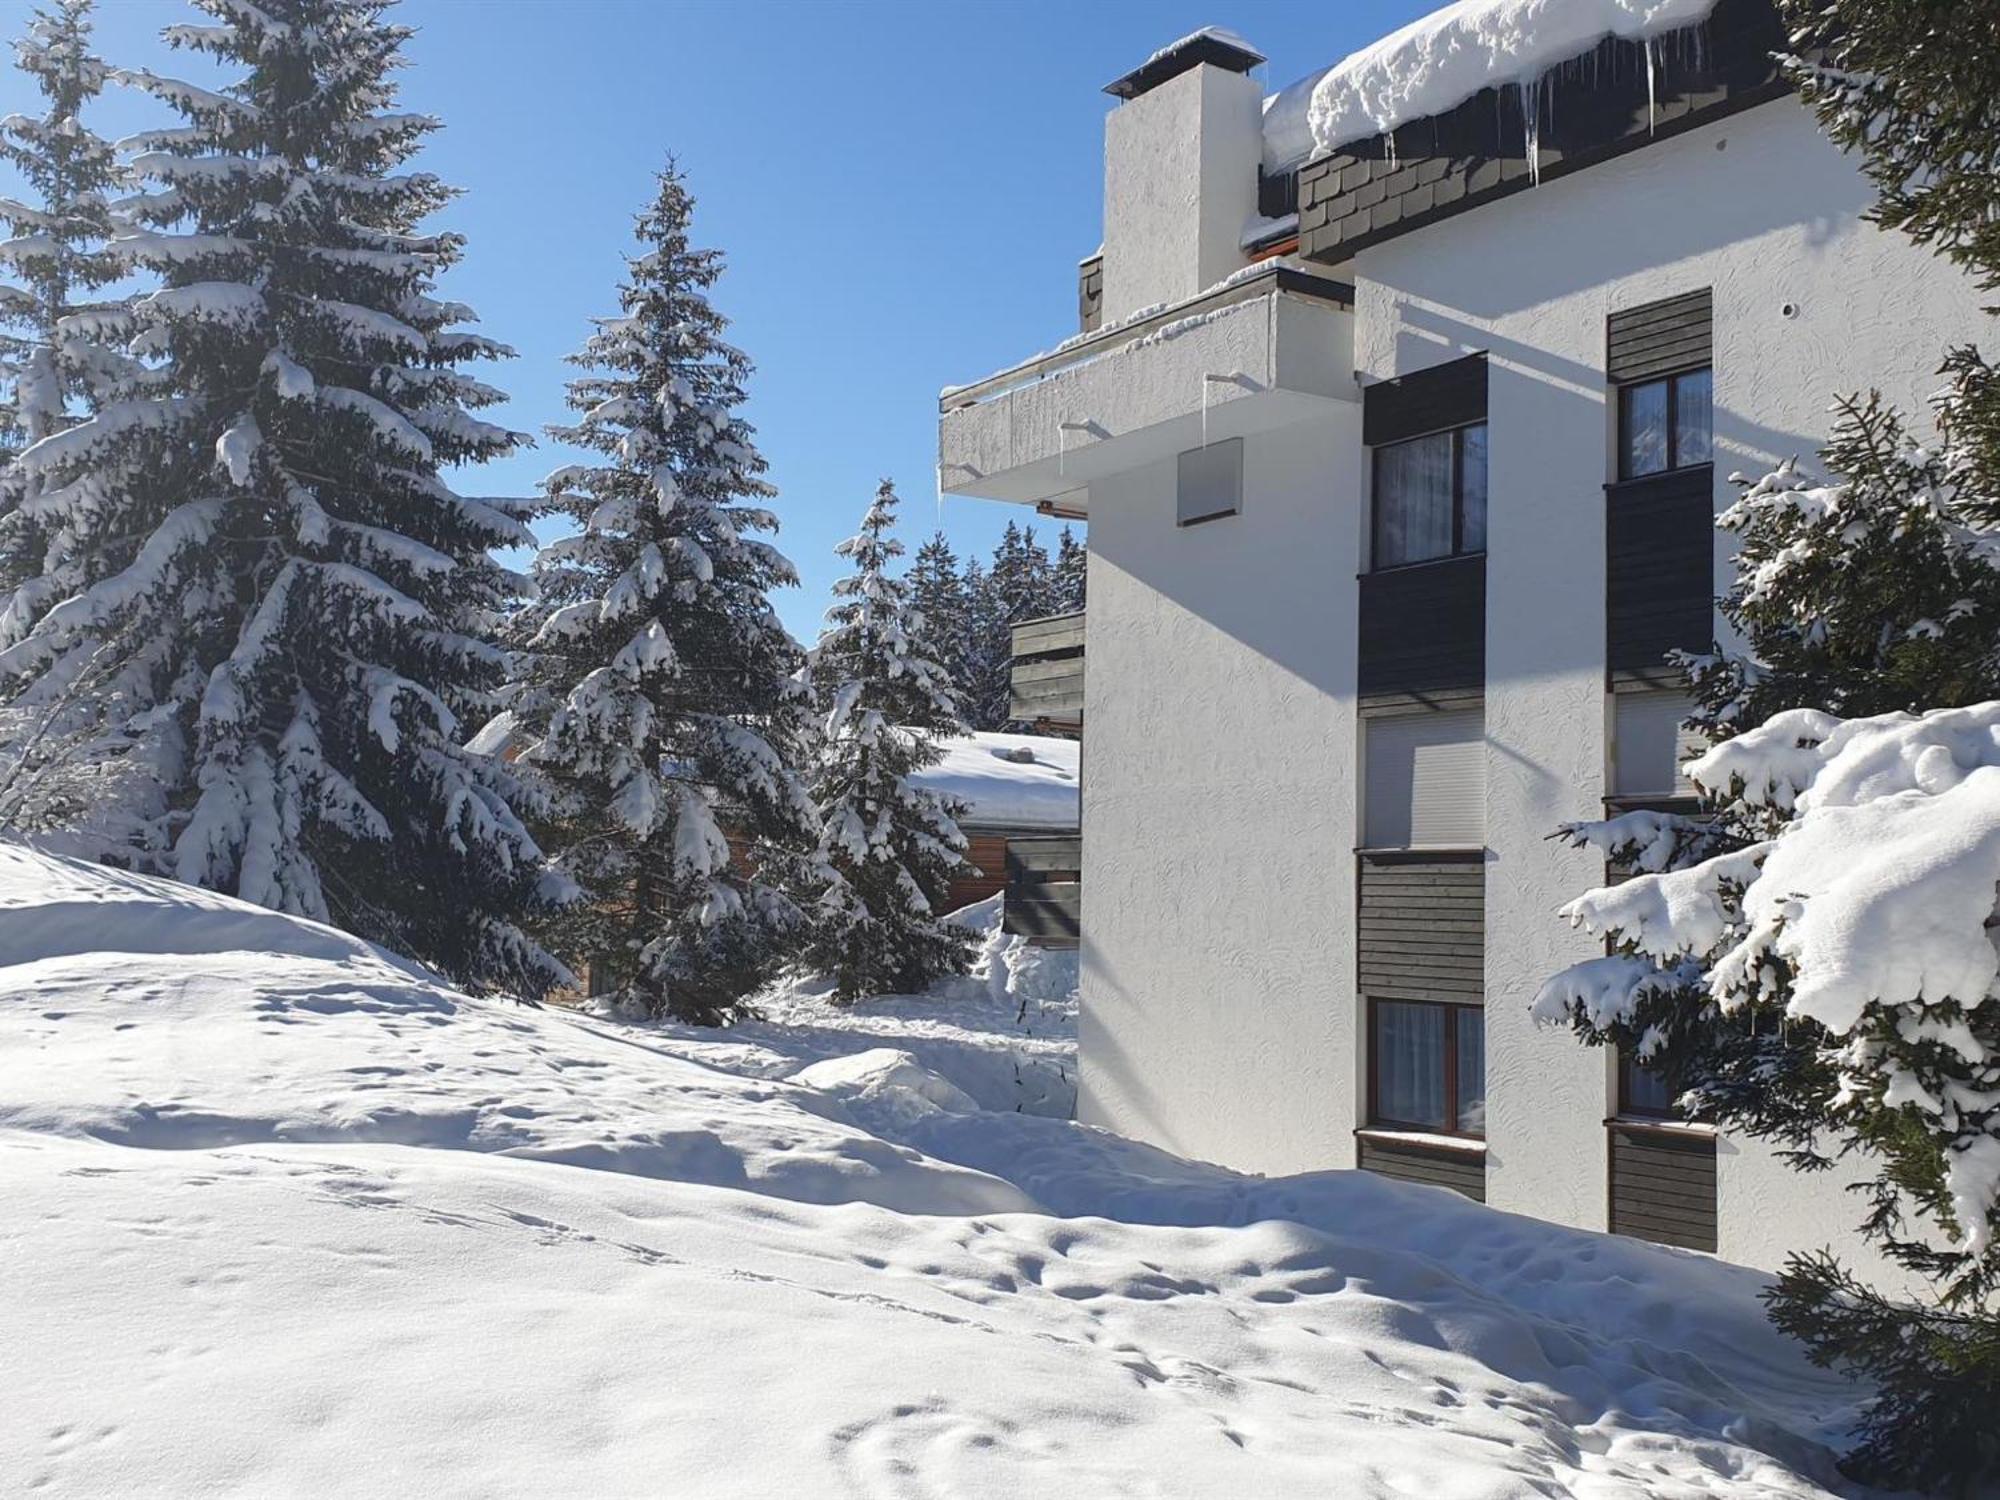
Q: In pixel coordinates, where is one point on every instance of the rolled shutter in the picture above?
(1426, 780)
(1649, 745)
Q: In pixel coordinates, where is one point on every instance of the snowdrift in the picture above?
(285, 1216)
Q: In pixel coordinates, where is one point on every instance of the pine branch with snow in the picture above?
(659, 682)
(888, 846)
(1875, 591)
(262, 613)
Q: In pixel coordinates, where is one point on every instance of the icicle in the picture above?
(1204, 410)
(1529, 91)
(1651, 88)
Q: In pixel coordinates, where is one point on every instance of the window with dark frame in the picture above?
(1643, 1092)
(1430, 497)
(1427, 1066)
(1666, 424)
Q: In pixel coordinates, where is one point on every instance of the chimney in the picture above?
(1181, 153)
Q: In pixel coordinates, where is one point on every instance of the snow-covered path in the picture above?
(285, 1218)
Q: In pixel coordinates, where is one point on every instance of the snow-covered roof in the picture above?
(1439, 61)
(1210, 44)
(1024, 781)
(495, 736)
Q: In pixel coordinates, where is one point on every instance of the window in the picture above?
(1428, 1066)
(1666, 424)
(1641, 1091)
(1210, 483)
(1425, 776)
(1649, 746)
(1430, 497)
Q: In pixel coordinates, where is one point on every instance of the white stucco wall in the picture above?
(1180, 184)
(1764, 210)
(1219, 807)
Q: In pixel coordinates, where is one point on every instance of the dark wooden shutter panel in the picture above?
(1423, 629)
(1661, 337)
(1447, 395)
(1659, 571)
(1421, 928)
(1663, 1185)
(1408, 1161)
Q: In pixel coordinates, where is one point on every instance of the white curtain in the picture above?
(1409, 1064)
(1413, 500)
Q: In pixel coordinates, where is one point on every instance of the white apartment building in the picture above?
(1400, 457)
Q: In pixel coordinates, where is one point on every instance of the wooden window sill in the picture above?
(1463, 1145)
(1661, 1127)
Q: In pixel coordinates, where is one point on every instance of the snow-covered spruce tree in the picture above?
(1913, 87)
(1021, 576)
(890, 845)
(937, 591)
(660, 680)
(57, 254)
(985, 679)
(1072, 563)
(273, 611)
(1812, 963)
(1877, 592)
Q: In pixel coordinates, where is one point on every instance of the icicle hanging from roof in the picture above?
(1440, 61)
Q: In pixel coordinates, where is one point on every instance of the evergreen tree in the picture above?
(937, 592)
(660, 680)
(1870, 594)
(1072, 559)
(891, 847)
(1874, 594)
(273, 610)
(51, 369)
(986, 666)
(1911, 86)
(1021, 576)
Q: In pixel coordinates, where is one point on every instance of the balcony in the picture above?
(1048, 673)
(1264, 349)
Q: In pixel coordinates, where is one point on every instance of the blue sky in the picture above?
(903, 192)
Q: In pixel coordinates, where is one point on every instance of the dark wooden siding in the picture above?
(1440, 1166)
(1423, 628)
(1659, 338)
(1047, 682)
(1421, 931)
(984, 873)
(1659, 567)
(1045, 890)
(1447, 395)
(1663, 1184)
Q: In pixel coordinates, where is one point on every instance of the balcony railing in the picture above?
(1048, 672)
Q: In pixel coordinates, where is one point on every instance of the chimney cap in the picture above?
(1214, 45)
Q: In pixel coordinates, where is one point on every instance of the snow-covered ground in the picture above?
(285, 1217)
